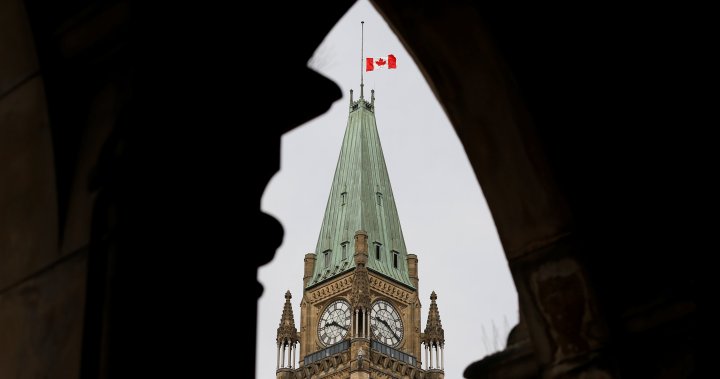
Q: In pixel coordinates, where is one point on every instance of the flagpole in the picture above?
(362, 57)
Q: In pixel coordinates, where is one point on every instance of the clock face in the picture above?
(334, 323)
(385, 323)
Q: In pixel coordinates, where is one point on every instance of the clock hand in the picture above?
(336, 324)
(386, 324)
(392, 330)
(383, 321)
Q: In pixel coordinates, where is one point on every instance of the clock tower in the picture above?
(360, 307)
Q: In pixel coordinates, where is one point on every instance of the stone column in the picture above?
(431, 355)
(427, 355)
(442, 357)
(367, 324)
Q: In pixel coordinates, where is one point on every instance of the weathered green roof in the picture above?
(361, 199)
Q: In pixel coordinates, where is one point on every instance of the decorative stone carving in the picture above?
(286, 332)
(360, 296)
(434, 333)
(333, 289)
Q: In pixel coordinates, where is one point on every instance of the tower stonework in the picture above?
(360, 308)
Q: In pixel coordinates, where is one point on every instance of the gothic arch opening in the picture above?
(102, 245)
(444, 216)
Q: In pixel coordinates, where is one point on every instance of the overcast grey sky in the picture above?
(444, 217)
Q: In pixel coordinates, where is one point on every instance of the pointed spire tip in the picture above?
(362, 58)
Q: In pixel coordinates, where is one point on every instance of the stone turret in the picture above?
(434, 340)
(412, 262)
(309, 268)
(287, 338)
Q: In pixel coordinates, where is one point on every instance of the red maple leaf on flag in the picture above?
(380, 62)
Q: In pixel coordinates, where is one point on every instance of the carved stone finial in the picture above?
(287, 332)
(434, 333)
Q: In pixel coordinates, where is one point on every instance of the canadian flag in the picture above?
(388, 62)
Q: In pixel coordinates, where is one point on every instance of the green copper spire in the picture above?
(361, 199)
